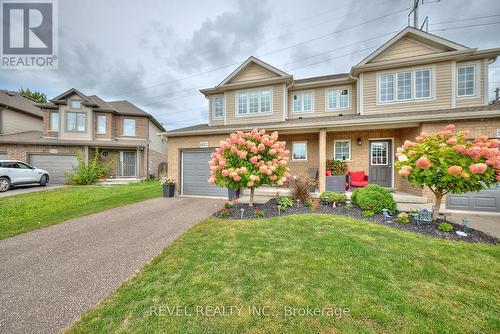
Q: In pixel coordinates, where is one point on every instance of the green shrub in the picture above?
(337, 167)
(445, 227)
(308, 202)
(403, 219)
(259, 213)
(373, 198)
(368, 213)
(224, 213)
(90, 173)
(227, 205)
(285, 202)
(300, 189)
(329, 197)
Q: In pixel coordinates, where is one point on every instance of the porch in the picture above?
(126, 164)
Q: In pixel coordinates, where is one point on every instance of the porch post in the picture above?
(322, 160)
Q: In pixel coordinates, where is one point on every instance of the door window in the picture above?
(379, 153)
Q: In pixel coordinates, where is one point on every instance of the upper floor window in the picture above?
(466, 79)
(257, 101)
(54, 121)
(218, 106)
(405, 85)
(342, 149)
(129, 127)
(75, 104)
(101, 124)
(303, 102)
(299, 150)
(76, 121)
(337, 98)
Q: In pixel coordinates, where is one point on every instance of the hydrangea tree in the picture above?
(447, 162)
(249, 160)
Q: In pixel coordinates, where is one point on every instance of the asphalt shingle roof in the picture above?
(15, 100)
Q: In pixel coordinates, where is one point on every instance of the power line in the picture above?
(468, 19)
(467, 26)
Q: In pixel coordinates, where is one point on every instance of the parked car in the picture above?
(14, 173)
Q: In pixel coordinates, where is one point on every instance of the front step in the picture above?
(119, 181)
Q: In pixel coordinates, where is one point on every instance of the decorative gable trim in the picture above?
(252, 60)
(433, 40)
(71, 91)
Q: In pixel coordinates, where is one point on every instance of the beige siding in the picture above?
(478, 99)
(157, 143)
(320, 103)
(441, 98)
(406, 47)
(277, 92)
(63, 134)
(253, 72)
(14, 121)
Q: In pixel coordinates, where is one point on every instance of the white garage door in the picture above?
(56, 165)
(195, 173)
(484, 200)
(3, 156)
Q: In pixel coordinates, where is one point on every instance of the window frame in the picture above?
(335, 149)
(338, 94)
(413, 71)
(474, 81)
(71, 104)
(214, 106)
(123, 129)
(293, 149)
(302, 93)
(100, 116)
(247, 92)
(51, 121)
(76, 118)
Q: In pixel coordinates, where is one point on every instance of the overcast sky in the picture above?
(157, 54)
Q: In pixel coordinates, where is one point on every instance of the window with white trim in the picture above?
(337, 98)
(405, 85)
(303, 102)
(218, 106)
(422, 84)
(466, 81)
(256, 101)
(101, 124)
(342, 149)
(54, 121)
(299, 150)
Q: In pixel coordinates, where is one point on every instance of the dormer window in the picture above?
(75, 104)
(218, 106)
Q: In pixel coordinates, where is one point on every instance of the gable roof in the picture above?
(71, 91)
(248, 62)
(19, 102)
(418, 35)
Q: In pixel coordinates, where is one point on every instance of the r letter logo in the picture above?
(29, 34)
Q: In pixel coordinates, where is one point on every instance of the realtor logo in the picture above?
(29, 34)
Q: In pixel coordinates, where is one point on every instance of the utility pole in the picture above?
(415, 13)
(497, 94)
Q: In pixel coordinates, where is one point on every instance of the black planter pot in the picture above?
(335, 183)
(169, 191)
(233, 194)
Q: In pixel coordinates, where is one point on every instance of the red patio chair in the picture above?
(358, 179)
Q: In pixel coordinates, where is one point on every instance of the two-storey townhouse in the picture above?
(76, 124)
(416, 82)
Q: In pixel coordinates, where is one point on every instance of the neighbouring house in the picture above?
(74, 123)
(18, 114)
(415, 82)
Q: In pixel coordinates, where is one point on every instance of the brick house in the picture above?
(415, 82)
(76, 124)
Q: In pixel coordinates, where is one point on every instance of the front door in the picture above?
(128, 163)
(380, 155)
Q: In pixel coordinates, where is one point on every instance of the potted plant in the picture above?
(233, 194)
(338, 169)
(168, 184)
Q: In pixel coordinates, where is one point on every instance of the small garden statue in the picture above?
(249, 160)
(425, 216)
(447, 162)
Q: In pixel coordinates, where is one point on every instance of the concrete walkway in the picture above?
(48, 277)
(29, 189)
(487, 222)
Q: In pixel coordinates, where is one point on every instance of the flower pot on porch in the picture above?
(168, 191)
(233, 194)
(335, 183)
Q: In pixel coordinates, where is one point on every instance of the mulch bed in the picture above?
(270, 209)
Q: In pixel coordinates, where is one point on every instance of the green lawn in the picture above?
(27, 212)
(391, 281)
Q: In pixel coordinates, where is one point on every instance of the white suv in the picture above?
(13, 173)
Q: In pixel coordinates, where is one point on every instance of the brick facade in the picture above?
(46, 123)
(21, 152)
(141, 127)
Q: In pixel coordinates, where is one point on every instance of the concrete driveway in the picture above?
(48, 277)
(29, 189)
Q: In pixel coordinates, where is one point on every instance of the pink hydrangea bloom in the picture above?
(451, 141)
(479, 168)
(455, 170)
(423, 163)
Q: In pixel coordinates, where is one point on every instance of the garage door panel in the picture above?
(195, 175)
(56, 165)
(3, 156)
(484, 200)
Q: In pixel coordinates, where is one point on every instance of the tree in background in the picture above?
(37, 96)
(447, 162)
(249, 160)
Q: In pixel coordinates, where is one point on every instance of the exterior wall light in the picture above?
(360, 141)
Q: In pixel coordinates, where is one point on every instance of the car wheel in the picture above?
(4, 184)
(43, 181)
